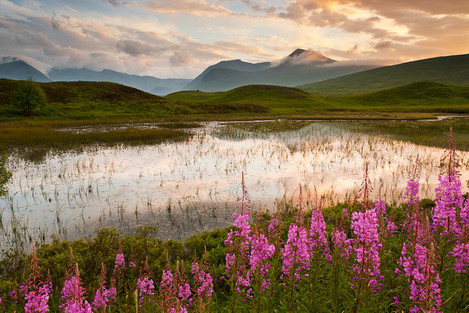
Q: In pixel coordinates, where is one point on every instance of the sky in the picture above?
(180, 38)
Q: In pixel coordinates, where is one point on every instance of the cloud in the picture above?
(115, 3)
(134, 48)
(382, 45)
(256, 7)
(180, 58)
(195, 7)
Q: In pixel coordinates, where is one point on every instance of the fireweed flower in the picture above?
(36, 292)
(411, 193)
(103, 295)
(318, 241)
(386, 226)
(175, 292)
(341, 244)
(237, 256)
(203, 280)
(461, 255)
(261, 251)
(145, 285)
(167, 291)
(73, 295)
(419, 268)
(448, 200)
(366, 246)
(120, 262)
(296, 253)
(36, 300)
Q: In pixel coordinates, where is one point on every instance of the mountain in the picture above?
(211, 76)
(452, 70)
(13, 68)
(299, 67)
(148, 84)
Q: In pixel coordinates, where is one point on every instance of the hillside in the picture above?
(452, 70)
(420, 97)
(97, 100)
(416, 97)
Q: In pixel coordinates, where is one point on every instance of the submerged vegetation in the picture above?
(358, 256)
(427, 133)
(34, 141)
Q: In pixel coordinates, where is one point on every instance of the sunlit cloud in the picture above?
(169, 38)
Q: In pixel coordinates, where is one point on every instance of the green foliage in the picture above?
(5, 175)
(29, 97)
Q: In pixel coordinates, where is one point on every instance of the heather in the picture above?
(359, 256)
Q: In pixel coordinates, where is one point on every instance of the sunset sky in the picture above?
(180, 38)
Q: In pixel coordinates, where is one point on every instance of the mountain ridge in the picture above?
(298, 67)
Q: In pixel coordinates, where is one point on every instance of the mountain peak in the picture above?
(296, 53)
(307, 56)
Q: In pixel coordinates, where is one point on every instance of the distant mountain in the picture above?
(300, 67)
(228, 71)
(13, 68)
(148, 84)
(452, 70)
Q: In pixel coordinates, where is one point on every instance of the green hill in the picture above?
(276, 99)
(416, 97)
(95, 100)
(452, 70)
(419, 97)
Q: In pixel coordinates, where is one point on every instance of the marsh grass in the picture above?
(271, 126)
(427, 133)
(33, 142)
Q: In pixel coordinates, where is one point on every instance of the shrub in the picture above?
(29, 97)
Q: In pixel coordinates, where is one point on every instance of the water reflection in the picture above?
(192, 186)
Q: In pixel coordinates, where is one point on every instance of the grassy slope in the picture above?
(102, 100)
(279, 100)
(105, 101)
(453, 70)
(417, 97)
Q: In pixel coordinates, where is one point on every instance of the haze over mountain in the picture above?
(452, 70)
(300, 67)
(148, 84)
(14, 68)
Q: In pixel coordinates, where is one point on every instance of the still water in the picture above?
(192, 186)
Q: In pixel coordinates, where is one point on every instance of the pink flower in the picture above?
(120, 262)
(461, 254)
(73, 294)
(366, 246)
(296, 253)
(203, 280)
(342, 244)
(318, 242)
(261, 252)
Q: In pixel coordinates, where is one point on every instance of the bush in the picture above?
(28, 97)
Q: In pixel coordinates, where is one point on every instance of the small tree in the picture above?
(28, 96)
(5, 175)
